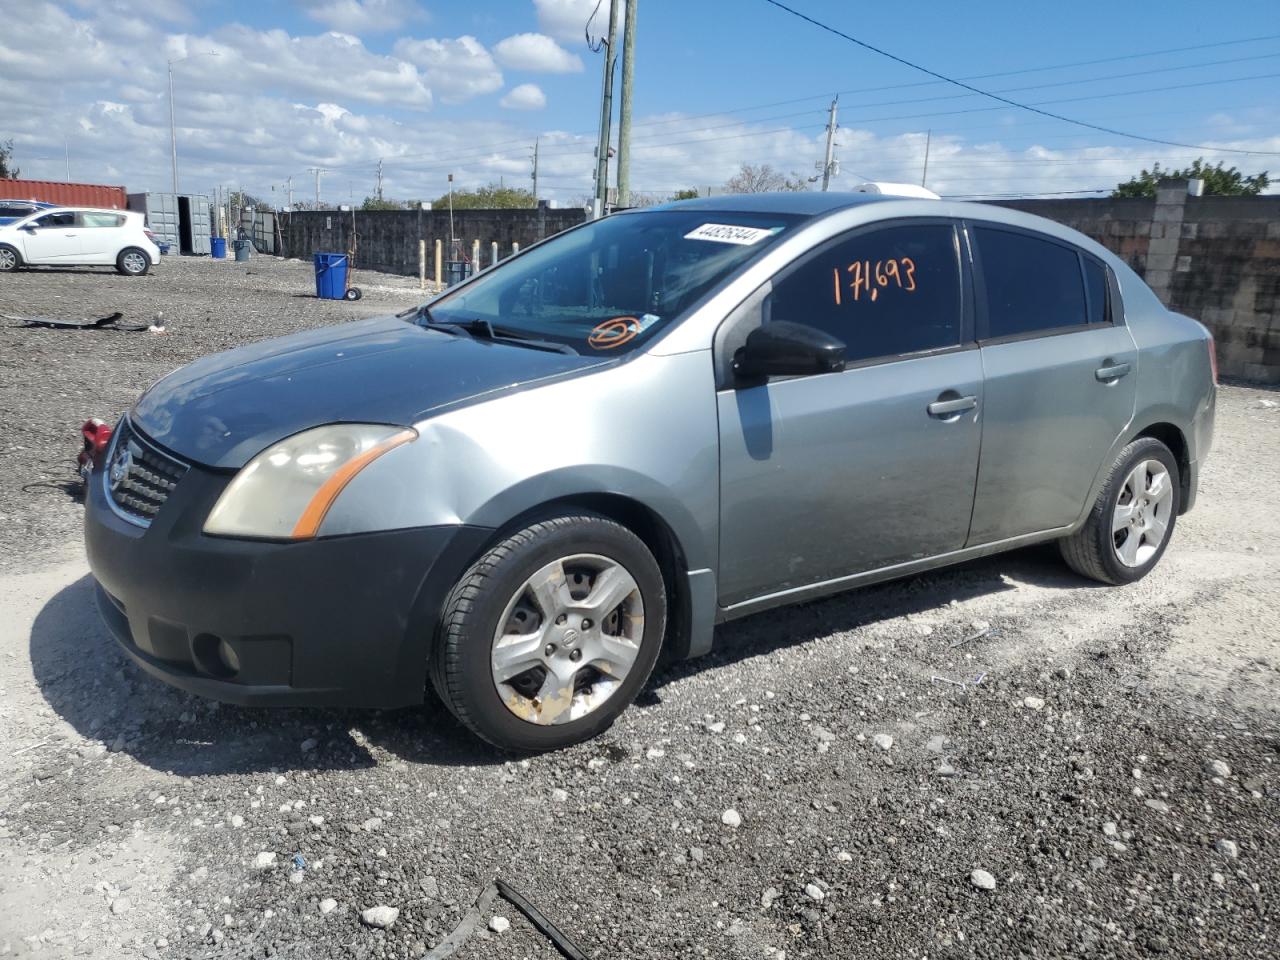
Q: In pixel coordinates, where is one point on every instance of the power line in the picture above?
(994, 96)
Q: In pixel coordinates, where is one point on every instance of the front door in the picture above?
(51, 238)
(1061, 380)
(826, 476)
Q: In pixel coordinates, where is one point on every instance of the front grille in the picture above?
(139, 477)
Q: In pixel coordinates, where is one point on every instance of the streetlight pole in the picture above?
(173, 126)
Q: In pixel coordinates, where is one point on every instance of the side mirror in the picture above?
(29, 228)
(784, 349)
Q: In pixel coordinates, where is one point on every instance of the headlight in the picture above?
(284, 492)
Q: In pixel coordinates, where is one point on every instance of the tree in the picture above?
(1228, 182)
(689, 194)
(763, 179)
(489, 197)
(377, 203)
(7, 170)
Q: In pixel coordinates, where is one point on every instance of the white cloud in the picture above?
(456, 69)
(363, 16)
(567, 19)
(527, 96)
(536, 53)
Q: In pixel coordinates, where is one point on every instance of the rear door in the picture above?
(101, 236)
(52, 238)
(1060, 371)
(831, 475)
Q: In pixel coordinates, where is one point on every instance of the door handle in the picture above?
(947, 408)
(1110, 371)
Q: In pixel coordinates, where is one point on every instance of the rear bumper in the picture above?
(345, 621)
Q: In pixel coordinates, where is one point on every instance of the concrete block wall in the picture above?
(1213, 258)
(388, 239)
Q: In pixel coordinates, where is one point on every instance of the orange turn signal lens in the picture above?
(309, 523)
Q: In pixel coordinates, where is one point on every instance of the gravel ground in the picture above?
(997, 760)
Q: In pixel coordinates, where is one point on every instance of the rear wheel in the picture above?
(1133, 518)
(551, 634)
(133, 262)
(10, 259)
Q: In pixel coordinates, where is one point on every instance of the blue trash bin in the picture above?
(218, 248)
(331, 276)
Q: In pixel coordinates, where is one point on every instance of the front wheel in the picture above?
(133, 262)
(1133, 518)
(551, 634)
(10, 260)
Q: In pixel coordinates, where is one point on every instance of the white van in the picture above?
(79, 236)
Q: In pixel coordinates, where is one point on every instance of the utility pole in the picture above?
(66, 143)
(606, 114)
(453, 241)
(317, 171)
(535, 170)
(379, 179)
(928, 137)
(624, 109)
(831, 146)
(288, 186)
(173, 133)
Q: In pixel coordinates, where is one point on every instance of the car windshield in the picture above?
(610, 286)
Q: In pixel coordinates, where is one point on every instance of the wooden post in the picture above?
(493, 254)
(422, 264)
(475, 256)
(439, 263)
(515, 247)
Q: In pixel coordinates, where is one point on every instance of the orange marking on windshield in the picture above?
(613, 333)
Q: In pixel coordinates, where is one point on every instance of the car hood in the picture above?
(224, 409)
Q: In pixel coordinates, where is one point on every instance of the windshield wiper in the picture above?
(481, 329)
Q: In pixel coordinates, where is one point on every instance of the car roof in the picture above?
(34, 203)
(808, 203)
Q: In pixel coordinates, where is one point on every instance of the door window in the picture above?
(101, 220)
(884, 292)
(67, 219)
(1032, 284)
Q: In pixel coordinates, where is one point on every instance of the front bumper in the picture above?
(343, 621)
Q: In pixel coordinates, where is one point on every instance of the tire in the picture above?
(10, 258)
(353, 293)
(538, 709)
(133, 262)
(1118, 543)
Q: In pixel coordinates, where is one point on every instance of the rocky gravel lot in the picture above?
(997, 760)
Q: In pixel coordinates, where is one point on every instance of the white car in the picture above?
(79, 236)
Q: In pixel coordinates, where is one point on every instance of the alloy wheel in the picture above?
(134, 262)
(8, 260)
(567, 639)
(1140, 520)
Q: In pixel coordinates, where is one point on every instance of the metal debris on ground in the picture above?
(955, 683)
(567, 947)
(985, 631)
(471, 920)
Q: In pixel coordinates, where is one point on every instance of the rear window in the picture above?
(101, 220)
(1031, 284)
(16, 209)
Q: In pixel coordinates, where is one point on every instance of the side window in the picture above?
(56, 220)
(15, 210)
(885, 292)
(1095, 283)
(101, 220)
(1031, 284)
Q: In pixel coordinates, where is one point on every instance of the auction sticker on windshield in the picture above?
(728, 233)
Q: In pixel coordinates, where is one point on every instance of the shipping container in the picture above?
(66, 194)
(179, 219)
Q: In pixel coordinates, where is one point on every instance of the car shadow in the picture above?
(763, 633)
(98, 690)
(84, 676)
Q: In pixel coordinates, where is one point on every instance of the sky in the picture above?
(267, 91)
